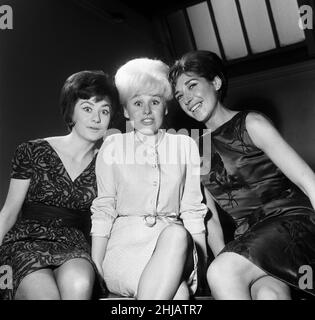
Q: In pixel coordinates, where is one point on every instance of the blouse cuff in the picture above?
(100, 229)
(195, 226)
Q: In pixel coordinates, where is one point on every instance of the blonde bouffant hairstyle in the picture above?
(143, 76)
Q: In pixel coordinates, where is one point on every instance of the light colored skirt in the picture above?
(129, 249)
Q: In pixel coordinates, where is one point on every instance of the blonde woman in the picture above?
(148, 212)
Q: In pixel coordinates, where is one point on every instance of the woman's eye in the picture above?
(87, 109)
(137, 103)
(105, 112)
(156, 102)
(179, 97)
(191, 86)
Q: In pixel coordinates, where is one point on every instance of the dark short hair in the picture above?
(205, 64)
(85, 85)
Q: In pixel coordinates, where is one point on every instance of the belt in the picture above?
(80, 219)
(151, 219)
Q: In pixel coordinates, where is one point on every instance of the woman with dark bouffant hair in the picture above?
(259, 180)
(53, 184)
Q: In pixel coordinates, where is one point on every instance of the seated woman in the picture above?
(259, 180)
(53, 181)
(148, 186)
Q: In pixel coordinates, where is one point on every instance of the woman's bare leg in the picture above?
(170, 263)
(75, 279)
(38, 285)
(269, 288)
(230, 276)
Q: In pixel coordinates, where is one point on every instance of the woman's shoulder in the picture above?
(255, 114)
(256, 120)
(182, 141)
(31, 144)
(55, 139)
(113, 145)
(57, 142)
(259, 128)
(114, 139)
(185, 137)
(26, 152)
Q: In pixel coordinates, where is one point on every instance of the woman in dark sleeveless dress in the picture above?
(46, 247)
(260, 181)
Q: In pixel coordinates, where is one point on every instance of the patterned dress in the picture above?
(54, 224)
(275, 222)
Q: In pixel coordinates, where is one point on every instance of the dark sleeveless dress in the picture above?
(274, 220)
(54, 224)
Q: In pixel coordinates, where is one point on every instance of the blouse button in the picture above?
(155, 183)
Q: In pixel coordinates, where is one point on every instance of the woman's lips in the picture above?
(195, 107)
(147, 121)
(94, 129)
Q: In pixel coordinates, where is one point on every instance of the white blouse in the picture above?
(135, 178)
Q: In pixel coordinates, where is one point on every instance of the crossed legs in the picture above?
(233, 277)
(170, 265)
(72, 280)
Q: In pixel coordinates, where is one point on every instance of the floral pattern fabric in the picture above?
(33, 244)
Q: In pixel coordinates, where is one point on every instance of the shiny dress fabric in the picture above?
(55, 220)
(274, 220)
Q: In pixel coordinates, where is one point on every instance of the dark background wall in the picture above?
(52, 39)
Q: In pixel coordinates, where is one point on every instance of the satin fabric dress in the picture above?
(274, 219)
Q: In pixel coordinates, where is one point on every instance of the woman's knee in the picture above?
(268, 288)
(177, 237)
(220, 267)
(82, 283)
(214, 273)
(38, 285)
(270, 293)
(76, 277)
(226, 268)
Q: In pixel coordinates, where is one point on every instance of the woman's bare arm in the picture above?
(12, 206)
(266, 137)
